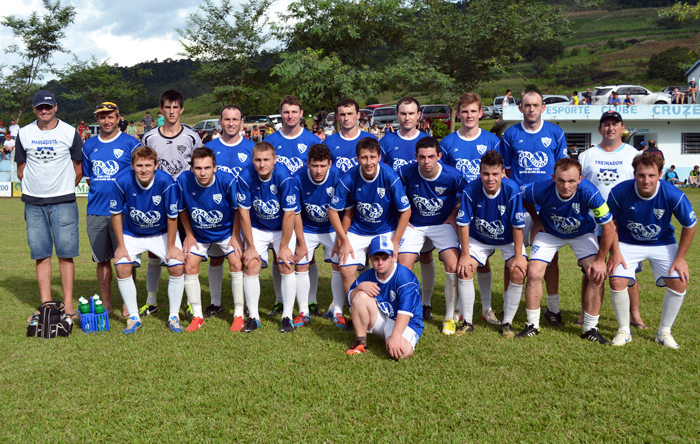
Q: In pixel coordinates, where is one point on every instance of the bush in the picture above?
(440, 129)
(371, 101)
(574, 52)
(671, 64)
(531, 87)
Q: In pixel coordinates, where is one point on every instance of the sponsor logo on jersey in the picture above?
(491, 230)
(242, 157)
(105, 169)
(206, 219)
(293, 164)
(607, 176)
(156, 200)
(381, 192)
(659, 213)
(481, 149)
(217, 198)
(387, 309)
(427, 207)
(302, 147)
(501, 209)
(643, 232)
(370, 212)
(118, 153)
(317, 213)
(466, 166)
(398, 163)
(546, 141)
(291, 199)
(566, 225)
(173, 168)
(576, 207)
(345, 163)
(330, 191)
(266, 210)
(440, 190)
(144, 220)
(527, 159)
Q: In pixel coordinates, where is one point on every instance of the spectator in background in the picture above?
(3, 131)
(678, 97)
(427, 130)
(672, 176)
(614, 99)
(363, 127)
(694, 178)
(216, 134)
(147, 122)
(315, 127)
(160, 119)
(328, 128)
(653, 149)
(629, 101)
(506, 99)
(303, 124)
(269, 130)
(376, 132)
(14, 129)
(387, 129)
(574, 98)
(322, 116)
(692, 89)
(123, 124)
(574, 152)
(642, 147)
(131, 129)
(7, 147)
(320, 134)
(256, 134)
(588, 96)
(81, 128)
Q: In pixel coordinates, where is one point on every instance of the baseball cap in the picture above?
(643, 144)
(611, 115)
(106, 106)
(692, 79)
(44, 97)
(381, 244)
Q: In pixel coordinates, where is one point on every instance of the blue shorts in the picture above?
(49, 225)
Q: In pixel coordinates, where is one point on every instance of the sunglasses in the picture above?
(107, 106)
(43, 107)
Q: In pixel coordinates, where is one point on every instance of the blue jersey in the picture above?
(269, 198)
(493, 217)
(398, 151)
(315, 198)
(465, 154)
(147, 209)
(647, 221)
(432, 200)
(211, 208)
(292, 152)
(232, 158)
(398, 294)
(344, 151)
(103, 163)
(531, 155)
(376, 202)
(567, 219)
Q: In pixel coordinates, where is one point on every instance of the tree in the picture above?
(41, 37)
(681, 12)
(671, 64)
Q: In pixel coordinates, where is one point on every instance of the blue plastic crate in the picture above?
(91, 322)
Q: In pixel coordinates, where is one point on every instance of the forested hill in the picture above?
(625, 4)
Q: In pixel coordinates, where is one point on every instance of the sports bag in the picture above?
(51, 321)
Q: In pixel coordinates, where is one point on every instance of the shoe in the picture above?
(212, 310)
(529, 330)
(301, 320)
(594, 335)
(251, 325)
(196, 324)
(349, 326)
(554, 319)
(276, 310)
(313, 310)
(238, 323)
(132, 324)
(174, 324)
(189, 314)
(464, 327)
(427, 312)
(357, 348)
(448, 327)
(340, 320)
(328, 314)
(490, 317)
(621, 338)
(667, 340)
(286, 326)
(147, 310)
(507, 331)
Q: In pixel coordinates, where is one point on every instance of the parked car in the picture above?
(94, 129)
(640, 94)
(432, 113)
(498, 103)
(378, 105)
(263, 121)
(207, 126)
(385, 115)
(681, 88)
(489, 112)
(276, 120)
(553, 99)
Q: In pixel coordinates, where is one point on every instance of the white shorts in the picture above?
(157, 245)
(360, 245)
(481, 251)
(415, 239)
(546, 246)
(427, 245)
(212, 249)
(265, 240)
(384, 327)
(660, 257)
(313, 240)
(527, 230)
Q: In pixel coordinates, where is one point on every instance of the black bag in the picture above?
(51, 321)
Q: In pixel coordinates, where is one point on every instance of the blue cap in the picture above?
(381, 244)
(643, 144)
(44, 97)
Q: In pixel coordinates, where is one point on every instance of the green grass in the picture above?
(218, 386)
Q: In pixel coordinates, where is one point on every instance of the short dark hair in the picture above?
(368, 143)
(318, 153)
(144, 152)
(428, 142)
(231, 107)
(347, 102)
(407, 100)
(201, 153)
(673, 166)
(567, 163)
(492, 158)
(264, 146)
(172, 95)
(648, 159)
(467, 99)
(291, 100)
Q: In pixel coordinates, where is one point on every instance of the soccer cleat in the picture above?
(286, 326)
(529, 330)
(147, 310)
(313, 310)
(212, 310)
(594, 335)
(357, 348)
(132, 324)
(490, 317)
(448, 327)
(276, 309)
(667, 340)
(328, 314)
(427, 312)
(189, 314)
(621, 338)
(238, 323)
(507, 331)
(301, 320)
(554, 319)
(340, 320)
(174, 324)
(464, 327)
(251, 325)
(196, 324)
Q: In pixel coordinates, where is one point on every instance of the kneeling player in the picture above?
(209, 202)
(564, 219)
(149, 197)
(385, 301)
(642, 210)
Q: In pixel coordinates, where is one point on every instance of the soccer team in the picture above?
(389, 203)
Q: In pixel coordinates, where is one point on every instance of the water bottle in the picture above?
(83, 306)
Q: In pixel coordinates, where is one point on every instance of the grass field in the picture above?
(218, 386)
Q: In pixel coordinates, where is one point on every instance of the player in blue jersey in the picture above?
(271, 192)
(642, 209)
(343, 143)
(149, 199)
(564, 219)
(212, 229)
(385, 301)
(434, 191)
(105, 158)
(463, 150)
(491, 218)
(373, 193)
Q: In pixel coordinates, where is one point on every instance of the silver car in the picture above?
(640, 94)
(384, 115)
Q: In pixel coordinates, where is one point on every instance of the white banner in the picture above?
(5, 189)
(593, 112)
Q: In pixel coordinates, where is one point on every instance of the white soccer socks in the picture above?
(484, 281)
(511, 302)
(427, 282)
(620, 301)
(589, 322)
(289, 293)
(127, 288)
(450, 294)
(251, 290)
(176, 287)
(313, 283)
(669, 311)
(553, 302)
(467, 295)
(193, 289)
(533, 317)
(338, 292)
(303, 285)
(277, 282)
(216, 277)
(237, 291)
(152, 280)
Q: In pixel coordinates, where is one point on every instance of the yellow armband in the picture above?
(601, 210)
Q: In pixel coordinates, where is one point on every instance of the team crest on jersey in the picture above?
(501, 209)
(242, 157)
(273, 189)
(217, 198)
(118, 153)
(481, 149)
(181, 149)
(381, 192)
(576, 207)
(392, 295)
(302, 148)
(440, 190)
(659, 213)
(546, 141)
(330, 191)
(156, 200)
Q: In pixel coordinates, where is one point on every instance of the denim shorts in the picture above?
(49, 225)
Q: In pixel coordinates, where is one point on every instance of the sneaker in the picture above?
(554, 319)
(189, 314)
(529, 330)
(252, 324)
(594, 335)
(301, 320)
(490, 317)
(464, 327)
(328, 314)
(276, 310)
(196, 323)
(448, 327)
(174, 324)
(507, 331)
(286, 326)
(238, 323)
(667, 340)
(212, 310)
(357, 348)
(621, 338)
(340, 320)
(132, 324)
(314, 311)
(147, 310)
(458, 315)
(427, 312)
